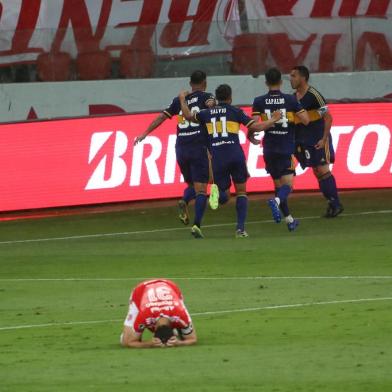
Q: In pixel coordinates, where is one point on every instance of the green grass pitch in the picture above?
(323, 343)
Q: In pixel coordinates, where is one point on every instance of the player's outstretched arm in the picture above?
(187, 340)
(186, 112)
(255, 128)
(154, 124)
(131, 339)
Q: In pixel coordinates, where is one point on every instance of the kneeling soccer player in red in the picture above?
(157, 305)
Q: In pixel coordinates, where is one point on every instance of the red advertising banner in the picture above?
(93, 160)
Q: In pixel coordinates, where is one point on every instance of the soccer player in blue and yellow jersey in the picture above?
(279, 143)
(191, 146)
(313, 142)
(228, 159)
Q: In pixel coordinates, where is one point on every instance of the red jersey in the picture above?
(153, 299)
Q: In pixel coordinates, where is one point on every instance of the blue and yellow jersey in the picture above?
(314, 103)
(223, 124)
(189, 133)
(280, 138)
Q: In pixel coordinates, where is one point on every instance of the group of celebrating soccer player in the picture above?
(208, 147)
(208, 150)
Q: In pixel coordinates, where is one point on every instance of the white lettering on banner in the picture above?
(253, 157)
(151, 164)
(357, 144)
(170, 166)
(119, 167)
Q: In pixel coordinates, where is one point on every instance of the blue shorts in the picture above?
(194, 163)
(229, 166)
(278, 165)
(309, 156)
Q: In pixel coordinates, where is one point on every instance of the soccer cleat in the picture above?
(196, 232)
(241, 234)
(273, 205)
(183, 213)
(293, 225)
(213, 200)
(333, 211)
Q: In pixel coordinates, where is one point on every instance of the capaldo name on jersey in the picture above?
(274, 101)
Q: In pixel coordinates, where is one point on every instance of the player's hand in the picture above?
(276, 115)
(156, 342)
(172, 342)
(211, 102)
(320, 144)
(183, 94)
(138, 139)
(252, 138)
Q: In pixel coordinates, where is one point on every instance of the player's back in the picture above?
(314, 103)
(190, 133)
(279, 138)
(223, 125)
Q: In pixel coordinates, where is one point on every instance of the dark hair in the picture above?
(198, 77)
(223, 92)
(273, 76)
(302, 70)
(164, 333)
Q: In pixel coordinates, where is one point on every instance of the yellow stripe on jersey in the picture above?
(318, 96)
(327, 151)
(256, 114)
(289, 115)
(231, 127)
(167, 114)
(181, 119)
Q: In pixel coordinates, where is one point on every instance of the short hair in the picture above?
(273, 76)
(198, 77)
(302, 70)
(164, 333)
(223, 92)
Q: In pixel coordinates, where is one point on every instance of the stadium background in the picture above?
(279, 311)
(51, 50)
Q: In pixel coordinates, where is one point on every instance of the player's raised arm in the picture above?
(154, 124)
(186, 112)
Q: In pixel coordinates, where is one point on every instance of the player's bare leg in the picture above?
(183, 213)
(242, 209)
(328, 188)
(283, 188)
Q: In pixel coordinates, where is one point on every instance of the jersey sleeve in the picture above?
(298, 108)
(202, 116)
(173, 108)
(256, 110)
(244, 119)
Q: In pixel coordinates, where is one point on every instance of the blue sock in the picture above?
(189, 194)
(200, 206)
(223, 198)
(284, 192)
(284, 207)
(241, 206)
(329, 190)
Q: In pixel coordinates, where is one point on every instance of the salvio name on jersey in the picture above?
(218, 111)
(274, 101)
